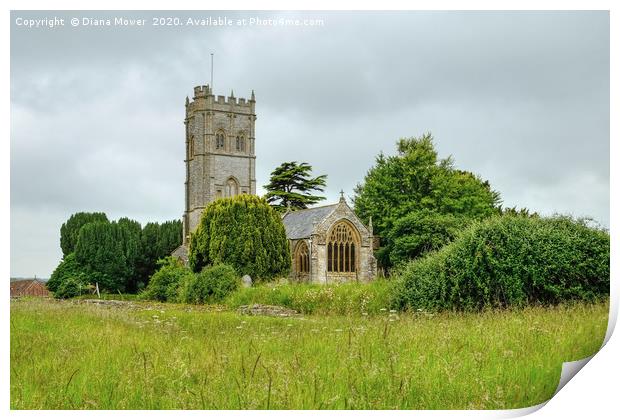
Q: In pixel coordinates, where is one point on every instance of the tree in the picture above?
(244, 232)
(67, 269)
(70, 230)
(156, 242)
(130, 232)
(291, 185)
(419, 233)
(103, 250)
(118, 255)
(417, 180)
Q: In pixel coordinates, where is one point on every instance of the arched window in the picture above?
(219, 140)
(232, 188)
(240, 143)
(341, 249)
(302, 258)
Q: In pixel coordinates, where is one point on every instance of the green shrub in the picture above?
(70, 287)
(420, 232)
(509, 260)
(244, 232)
(338, 299)
(68, 268)
(211, 285)
(164, 283)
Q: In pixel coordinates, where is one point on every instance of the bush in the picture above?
(164, 283)
(68, 267)
(510, 260)
(70, 287)
(211, 285)
(244, 232)
(333, 299)
(419, 233)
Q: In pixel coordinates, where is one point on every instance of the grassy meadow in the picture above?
(143, 355)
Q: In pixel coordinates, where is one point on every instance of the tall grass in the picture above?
(334, 299)
(72, 355)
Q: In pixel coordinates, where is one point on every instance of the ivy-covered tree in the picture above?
(244, 232)
(291, 185)
(418, 187)
(70, 230)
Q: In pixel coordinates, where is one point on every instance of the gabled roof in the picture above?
(28, 287)
(300, 224)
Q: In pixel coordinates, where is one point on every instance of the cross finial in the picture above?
(341, 195)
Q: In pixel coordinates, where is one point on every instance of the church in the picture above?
(328, 243)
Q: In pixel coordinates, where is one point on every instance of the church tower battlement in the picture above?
(220, 158)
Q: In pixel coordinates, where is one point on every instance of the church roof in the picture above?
(300, 224)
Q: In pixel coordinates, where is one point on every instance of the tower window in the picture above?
(232, 188)
(240, 143)
(219, 140)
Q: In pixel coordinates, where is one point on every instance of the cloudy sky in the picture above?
(520, 98)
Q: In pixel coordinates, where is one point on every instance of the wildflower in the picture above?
(383, 309)
(392, 311)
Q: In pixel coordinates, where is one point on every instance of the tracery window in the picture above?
(341, 249)
(302, 258)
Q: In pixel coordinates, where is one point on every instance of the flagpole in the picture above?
(212, 73)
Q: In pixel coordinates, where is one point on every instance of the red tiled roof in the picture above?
(28, 288)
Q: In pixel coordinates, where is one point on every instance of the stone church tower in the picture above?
(219, 151)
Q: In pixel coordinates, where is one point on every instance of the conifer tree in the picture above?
(70, 230)
(291, 186)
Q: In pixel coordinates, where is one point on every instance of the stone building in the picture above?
(330, 244)
(219, 151)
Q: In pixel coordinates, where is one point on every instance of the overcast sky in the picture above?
(520, 98)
